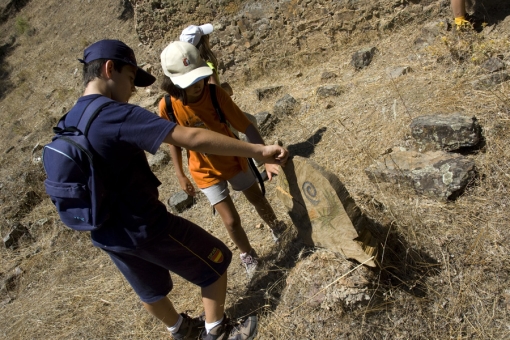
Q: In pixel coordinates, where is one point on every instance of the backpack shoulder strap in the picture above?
(170, 109)
(90, 112)
(214, 99)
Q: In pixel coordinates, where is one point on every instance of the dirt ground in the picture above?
(445, 265)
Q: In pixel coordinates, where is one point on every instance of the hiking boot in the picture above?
(278, 230)
(190, 328)
(250, 262)
(225, 331)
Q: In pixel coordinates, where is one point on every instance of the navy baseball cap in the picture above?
(117, 50)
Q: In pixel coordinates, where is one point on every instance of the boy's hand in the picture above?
(274, 154)
(187, 186)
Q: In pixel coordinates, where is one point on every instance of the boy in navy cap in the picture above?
(145, 241)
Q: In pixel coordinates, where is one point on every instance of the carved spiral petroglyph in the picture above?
(310, 192)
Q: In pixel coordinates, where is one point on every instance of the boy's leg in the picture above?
(163, 310)
(232, 222)
(213, 297)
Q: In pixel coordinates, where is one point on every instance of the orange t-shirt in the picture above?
(208, 170)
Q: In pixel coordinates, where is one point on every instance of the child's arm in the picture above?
(253, 135)
(206, 141)
(176, 153)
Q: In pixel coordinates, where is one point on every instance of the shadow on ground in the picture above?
(400, 266)
(5, 83)
(307, 147)
(489, 13)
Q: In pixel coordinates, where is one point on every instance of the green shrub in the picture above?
(22, 26)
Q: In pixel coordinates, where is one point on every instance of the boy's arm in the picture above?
(206, 141)
(253, 135)
(185, 183)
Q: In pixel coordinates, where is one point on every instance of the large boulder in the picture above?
(440, 175)
(446, 132)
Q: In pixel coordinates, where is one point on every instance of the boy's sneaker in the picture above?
(225, 331)
(278, 231)
(190, 328)
(250, 262)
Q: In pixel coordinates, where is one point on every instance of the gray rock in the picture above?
(180, 202)
(262, 118)
(266, 122)
(493, 65)
(159, 160)
(490, 80)
(268, 92)
(10, 281)
(398, 71)
(329, 91)
(328, 75)
(363, 58)
(440, 175)
(12, 239)
(285, 106)
(446, 132)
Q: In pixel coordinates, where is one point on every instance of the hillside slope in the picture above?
(446, 268)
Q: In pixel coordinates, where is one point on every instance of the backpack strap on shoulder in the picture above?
(91, 112)
(82, 122)
(217, 108)
(170, 109)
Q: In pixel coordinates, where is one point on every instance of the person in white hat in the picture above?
(199, 37)
(190, 103)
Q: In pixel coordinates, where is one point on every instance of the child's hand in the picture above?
(274, 154)
(271, 169)
(187, 186)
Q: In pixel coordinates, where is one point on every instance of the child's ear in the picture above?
(107, 69)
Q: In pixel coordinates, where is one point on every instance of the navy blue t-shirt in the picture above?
(119, 134)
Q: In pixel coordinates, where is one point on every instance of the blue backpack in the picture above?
(74, 182)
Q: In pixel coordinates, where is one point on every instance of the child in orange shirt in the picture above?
(186, 83)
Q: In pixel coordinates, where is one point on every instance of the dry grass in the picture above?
(445, 265)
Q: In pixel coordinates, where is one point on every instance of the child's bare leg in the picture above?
(213, 297)
(458, 8)
(232, 222)
(163, 310)
(261, 204)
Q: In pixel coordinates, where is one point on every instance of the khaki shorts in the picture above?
(240, 182)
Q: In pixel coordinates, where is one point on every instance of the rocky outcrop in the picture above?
(248, 35)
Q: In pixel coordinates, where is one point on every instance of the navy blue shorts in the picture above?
(185, 249)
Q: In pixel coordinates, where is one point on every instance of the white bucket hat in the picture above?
(192, 34)
(181, 62)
